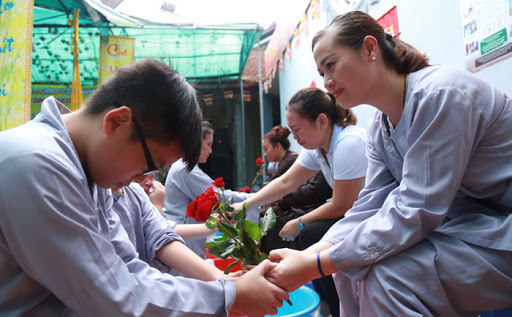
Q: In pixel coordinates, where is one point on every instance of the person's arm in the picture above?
(193, 231)
(178, 256)
(288, 182)
(344, 195)
(315, 191)
(296, 268)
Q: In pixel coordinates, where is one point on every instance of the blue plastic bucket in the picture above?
(304, 300)
(506, 312)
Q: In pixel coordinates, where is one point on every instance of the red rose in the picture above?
(218, 182)
(191, 209)
(247, 189)
(240, 190)
(201, 208)
(260, 161)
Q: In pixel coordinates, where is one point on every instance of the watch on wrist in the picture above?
(301, 225)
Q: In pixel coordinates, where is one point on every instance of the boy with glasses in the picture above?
(62, 249)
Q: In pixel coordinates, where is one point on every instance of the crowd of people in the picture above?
(411, 217)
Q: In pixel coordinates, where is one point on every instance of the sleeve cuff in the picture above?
(230, 295)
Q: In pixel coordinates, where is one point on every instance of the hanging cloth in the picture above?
(76, 85)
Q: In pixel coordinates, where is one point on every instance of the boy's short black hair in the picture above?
(165, 105)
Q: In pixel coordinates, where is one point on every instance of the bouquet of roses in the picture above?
(240, 237)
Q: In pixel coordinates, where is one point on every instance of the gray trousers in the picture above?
(440, 276)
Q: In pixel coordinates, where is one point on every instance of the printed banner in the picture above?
(228, 94)
(389, 21)
(16, 23)
(247, 95)
(116, 51)
(282, 34)
(487, 27)
(61, 92)
(208, 99)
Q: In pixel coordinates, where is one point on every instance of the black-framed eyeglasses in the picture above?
(152, 169)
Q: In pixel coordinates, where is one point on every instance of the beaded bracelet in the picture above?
(319, 264)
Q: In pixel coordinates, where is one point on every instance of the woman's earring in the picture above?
(374, 58)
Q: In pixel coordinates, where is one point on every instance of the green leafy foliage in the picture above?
(241, 240)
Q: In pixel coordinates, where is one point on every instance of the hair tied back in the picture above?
(333, 98)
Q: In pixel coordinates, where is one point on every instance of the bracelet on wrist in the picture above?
(319, 264)
(301, 224)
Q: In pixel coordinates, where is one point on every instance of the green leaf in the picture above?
(213, 244)
(251, 243)
(228, 251)
(268, 221)
(210, 225)
(237, 253)
(220, 237)
(255, 261)
(218, 251)
(253, 230)
(213, 219)
(230, 266)
(241, 215)
(227, 229)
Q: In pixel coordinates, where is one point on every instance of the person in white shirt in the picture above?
(333, 144)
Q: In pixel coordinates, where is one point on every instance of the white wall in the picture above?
(435, 27)
(432, 26)
(300, 70)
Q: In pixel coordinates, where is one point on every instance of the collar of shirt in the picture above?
(336, 130)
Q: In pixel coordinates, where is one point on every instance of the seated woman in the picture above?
(307, 197)
(430, 234)
(333, 144)
(182, 187)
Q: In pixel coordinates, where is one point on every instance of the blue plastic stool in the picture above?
(304, 300)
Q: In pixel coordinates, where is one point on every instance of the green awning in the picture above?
(218, 52)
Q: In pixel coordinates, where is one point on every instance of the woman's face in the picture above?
(345, 72)
(206, 148)
(147, 182)
(270, 151)
(308, 134)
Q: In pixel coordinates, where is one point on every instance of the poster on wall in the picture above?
(115, 52)
(15, 61)
(487, 31)
(61, 92)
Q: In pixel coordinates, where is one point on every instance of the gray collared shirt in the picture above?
(447, 167)
(62, 249)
